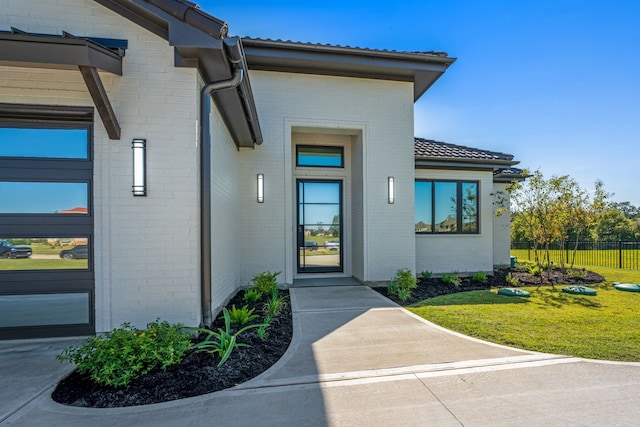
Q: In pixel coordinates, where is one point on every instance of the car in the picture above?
(332, 245)
(8, 250)
(77, 252)
(310, 245)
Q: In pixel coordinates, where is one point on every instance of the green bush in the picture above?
(480, 277)
(251, 295)
(512, 280)
(426, 275)
(274, 305)
(223, 342)
(534, 269)
(265, 283)
(402, 284)
(126, 353)
(262, 331)
(241, 316)
(579, 273)
(452, 279)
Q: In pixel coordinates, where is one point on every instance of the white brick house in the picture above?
(327, 131)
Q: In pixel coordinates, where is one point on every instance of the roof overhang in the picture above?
(423, 69)
(21, 49)
(198, 41)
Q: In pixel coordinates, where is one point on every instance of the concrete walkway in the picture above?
(357, 359)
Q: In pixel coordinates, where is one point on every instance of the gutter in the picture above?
(234, 54)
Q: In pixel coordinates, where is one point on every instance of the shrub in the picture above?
(402, 284)
(452, 279)
(274, 305)
(577, 273)
(512, 280)
(426, 275)
(265, 283)
(534, 269)
(262, 331)
(251, 295)
(241, 316)
(480, 277)
(223, 342)
(126, 353)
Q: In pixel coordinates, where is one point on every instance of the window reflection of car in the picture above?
(77, 252)
(310, 246)
(332, 245)
(7, 250)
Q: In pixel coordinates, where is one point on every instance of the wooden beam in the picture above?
(101, 100)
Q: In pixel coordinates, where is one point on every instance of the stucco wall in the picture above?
(377, 113)
(146, 249)
(465, 253)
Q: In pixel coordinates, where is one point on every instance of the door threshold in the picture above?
(325, 281)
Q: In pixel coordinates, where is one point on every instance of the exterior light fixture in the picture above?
(392, 190)
(260, 188)
(139, 147)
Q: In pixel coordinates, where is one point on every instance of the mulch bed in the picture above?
(197, 374)
(434, 287)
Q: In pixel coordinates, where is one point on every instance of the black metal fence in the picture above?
(613, 254)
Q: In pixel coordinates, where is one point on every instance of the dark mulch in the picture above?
(197, 374)
(434, 287)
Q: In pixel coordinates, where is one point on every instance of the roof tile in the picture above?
(430, 149)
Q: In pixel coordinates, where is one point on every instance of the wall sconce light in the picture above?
(260, 188)
(139, 147)
(392, 192)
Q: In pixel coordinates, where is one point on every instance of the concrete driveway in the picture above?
(357, 359)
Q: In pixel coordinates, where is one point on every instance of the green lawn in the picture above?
(22, 264)
(606, 326)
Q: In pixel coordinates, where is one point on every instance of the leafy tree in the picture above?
(546, 211)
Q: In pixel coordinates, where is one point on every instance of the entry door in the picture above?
(319, 233)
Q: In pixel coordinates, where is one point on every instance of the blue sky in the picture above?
(556, 83)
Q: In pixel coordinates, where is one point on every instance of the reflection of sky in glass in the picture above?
(423, 201)
(445, 194)
(41, 197)
(320, 156)
(319, 201)
(45, 143)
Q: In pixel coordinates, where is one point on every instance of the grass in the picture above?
(587, 258)
(21, 264)
(606, 326)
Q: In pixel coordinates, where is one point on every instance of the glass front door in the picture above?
(319, 233)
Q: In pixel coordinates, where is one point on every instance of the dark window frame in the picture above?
(459, 209)
(42, 225)
(333, 147)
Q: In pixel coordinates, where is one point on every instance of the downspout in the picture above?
(235, 57)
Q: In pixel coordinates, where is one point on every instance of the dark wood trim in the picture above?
(101, 101)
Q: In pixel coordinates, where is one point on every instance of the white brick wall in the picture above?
(501, 226)
(378, 112)
(146, 249)
(225, 227)
(465, 253)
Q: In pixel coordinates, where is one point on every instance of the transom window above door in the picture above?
(320, 156)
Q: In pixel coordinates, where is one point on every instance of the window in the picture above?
(47, 280)
(448, 207)
(319, 156)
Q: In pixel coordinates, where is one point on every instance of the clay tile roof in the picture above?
(430, 149)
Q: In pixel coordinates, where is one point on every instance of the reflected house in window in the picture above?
(77, 211)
